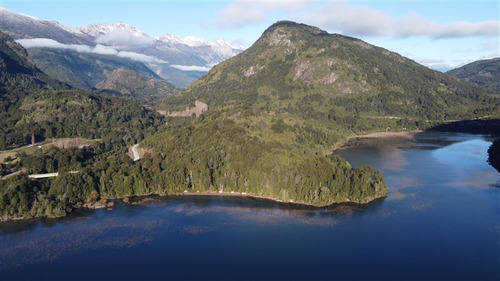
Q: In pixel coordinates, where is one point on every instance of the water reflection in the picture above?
(71, 236)
(392, 158)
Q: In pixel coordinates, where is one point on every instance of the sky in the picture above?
(439, 34)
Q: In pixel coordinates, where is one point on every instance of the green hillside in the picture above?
(34, 104)
(128, 83)
(303, 71)
(483, 73)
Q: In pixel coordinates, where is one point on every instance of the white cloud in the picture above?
(362, 20)
(49, 43)
(140, 57)
(104, 50)
(413, 25)
(349, 19)
(191, 67)
(98, 49)
(243, 12)
(352, 19)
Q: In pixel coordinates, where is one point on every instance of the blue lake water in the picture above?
(441, 221)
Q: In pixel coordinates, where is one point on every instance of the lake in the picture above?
(441, 221)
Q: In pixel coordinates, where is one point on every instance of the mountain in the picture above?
(83, 70)
(18, 71)
(131, 84)
(279, 109)
(178, 60)
(295, 69)
(20, 26)
(177, 51)
(483, 73)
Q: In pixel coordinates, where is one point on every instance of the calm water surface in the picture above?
(441, 221)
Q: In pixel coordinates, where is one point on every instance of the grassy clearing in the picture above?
(68, 142)
(13, 152)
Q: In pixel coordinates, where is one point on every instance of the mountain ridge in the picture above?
(291, 61)
(483, 73)
(19, 71)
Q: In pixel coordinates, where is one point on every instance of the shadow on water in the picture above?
(224, 204)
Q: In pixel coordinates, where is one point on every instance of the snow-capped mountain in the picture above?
(179, 60)
(99, 29)
(21, 26)
(118, 34)
(211, 52)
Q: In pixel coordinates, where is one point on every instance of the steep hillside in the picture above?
(17, 69)
(82, 70)
(304, 71)
(483, 73)
(129, 83)
(31, 102)
(34, 105)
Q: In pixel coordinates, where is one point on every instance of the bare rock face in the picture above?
(197, 110)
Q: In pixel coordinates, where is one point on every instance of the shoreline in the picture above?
(406, 134)
(268, 198)
(379, 135)
(108, 203)
(409, 135)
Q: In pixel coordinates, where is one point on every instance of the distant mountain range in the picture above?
(178, 60)
(483, 73)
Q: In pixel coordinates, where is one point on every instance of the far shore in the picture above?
(408, 135)
(376, 135)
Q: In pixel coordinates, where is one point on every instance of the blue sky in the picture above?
(439, 34)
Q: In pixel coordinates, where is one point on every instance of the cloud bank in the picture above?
(98, 49)
(243, 12)
(190, 67)
(352, 19)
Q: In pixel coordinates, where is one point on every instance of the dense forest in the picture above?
(105, 171)
(73, 113)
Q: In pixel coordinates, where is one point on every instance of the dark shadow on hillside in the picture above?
(476, 126)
